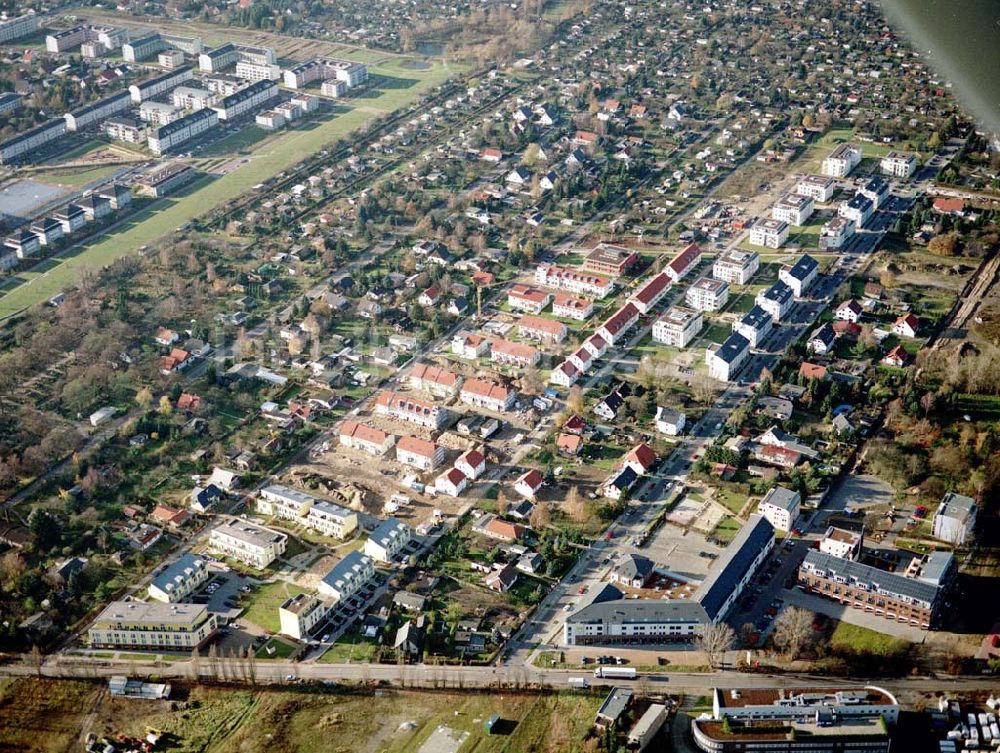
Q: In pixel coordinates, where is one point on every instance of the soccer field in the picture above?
(276, 155)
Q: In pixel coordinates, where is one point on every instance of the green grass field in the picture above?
(859, 638)
(75, 178)
(151, 225)
(262, 605)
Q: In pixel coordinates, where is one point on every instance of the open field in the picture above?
(263, 608)
(48, 716)
(150, 225)
(214, 35)
(75, 178)
(858, 638)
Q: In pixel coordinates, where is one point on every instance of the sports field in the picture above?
(404, 86)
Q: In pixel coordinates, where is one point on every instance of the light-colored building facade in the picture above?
(755, 326)
(955, 519)
(898, 165)
(298, 615)
(842, 161)
(769, 233)
(781, 507)
(795, 209)
(678, 327)
(707, 294)
(388, 540)
(724, 361)
(152, 625)
(248, 543)
(348, 577)
(735, 266)
(819, 188)
(320, 515)
(179, 579)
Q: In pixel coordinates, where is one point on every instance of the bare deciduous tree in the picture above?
(792, 630)
(715, 641)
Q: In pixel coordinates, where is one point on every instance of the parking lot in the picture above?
(221, 591)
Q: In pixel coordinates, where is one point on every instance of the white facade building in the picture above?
(725, 360)
(898, 165)
(250, 544)
(388, 540)
(707, 294)
(678, 327)
(795, 209)
(736, 267)
(769, 233)
(842, 161)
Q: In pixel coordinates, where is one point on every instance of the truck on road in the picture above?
(578, 682)
(615, 673)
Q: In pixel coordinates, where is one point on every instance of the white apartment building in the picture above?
(769, 233)
(250, 544)
(842, 161)
(300, 614)
(322, 69)
(755, 326)
(801, 275)
(819, 188)
(15, 28)
(179, 579)
(158, 113)
(348, 576)
(257, 71)
(736, 267)
(707, 294)
(404, 408)
(839, 542)
(955, 519)
(781, 507)
(95, 112)
(319, 515)
(777, 300)
(152, 87)
(678, 327)
(875, 189)
(858, 209)
(167, 137)
(191, 98)
(725, 360)
(388, 540)
(899, 165)
(419, 453)
(573, 281)
(25, 145)
(795, 209)
(836, 233)
(152, 625)
(67, 39)
(246, 100)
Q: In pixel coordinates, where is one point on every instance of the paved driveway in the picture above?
(859, 492)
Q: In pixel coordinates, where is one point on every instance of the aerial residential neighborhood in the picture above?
(527, 377)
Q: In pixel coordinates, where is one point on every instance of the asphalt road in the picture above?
(428, 676)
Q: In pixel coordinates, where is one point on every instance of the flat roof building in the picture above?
(248, 543)
(152, 625)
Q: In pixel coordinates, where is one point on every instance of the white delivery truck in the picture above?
(578, 682)
(615, 673)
